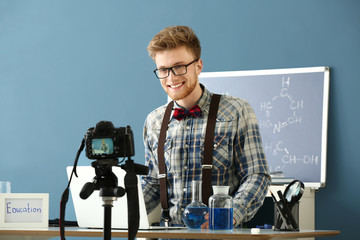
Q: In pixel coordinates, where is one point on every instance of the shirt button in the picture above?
(184, 189)
(182, 209)
(186, 146)
(187, 127)
(185, 167)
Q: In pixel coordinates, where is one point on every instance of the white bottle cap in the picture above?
(221, 189)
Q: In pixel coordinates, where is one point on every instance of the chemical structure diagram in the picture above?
(291, 115)
(294, 106)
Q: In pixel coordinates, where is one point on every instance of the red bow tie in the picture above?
(180, 113)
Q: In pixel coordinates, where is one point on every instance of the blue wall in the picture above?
(67, 64)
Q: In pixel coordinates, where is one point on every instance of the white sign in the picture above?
(24, 210)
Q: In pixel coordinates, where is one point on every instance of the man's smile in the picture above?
(176, 85)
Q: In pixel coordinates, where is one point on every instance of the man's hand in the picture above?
(205, 225)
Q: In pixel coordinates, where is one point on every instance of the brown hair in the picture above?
(173, 37)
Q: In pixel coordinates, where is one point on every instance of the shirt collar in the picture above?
(204, 101)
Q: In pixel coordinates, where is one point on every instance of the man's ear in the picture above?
(199, 66)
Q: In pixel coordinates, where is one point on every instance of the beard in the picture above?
(186, 90)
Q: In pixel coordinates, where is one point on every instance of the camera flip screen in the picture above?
(102, 146)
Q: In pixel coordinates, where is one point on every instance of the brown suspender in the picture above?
(208, 148)
(208, 154)
(162, 166)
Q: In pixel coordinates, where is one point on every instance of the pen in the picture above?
(272, 195)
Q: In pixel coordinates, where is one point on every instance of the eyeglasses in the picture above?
(178, 70)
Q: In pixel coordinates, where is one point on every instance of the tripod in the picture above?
(107, 182)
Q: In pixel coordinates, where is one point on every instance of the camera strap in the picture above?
(65, 195)
(208, 154)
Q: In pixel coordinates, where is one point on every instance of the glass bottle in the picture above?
(194, 213)
(220, 209)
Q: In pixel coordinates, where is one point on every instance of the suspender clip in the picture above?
(166, 217)
(166, 222)
(207, 166)
(162, 175)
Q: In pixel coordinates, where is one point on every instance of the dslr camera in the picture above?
(107, 142)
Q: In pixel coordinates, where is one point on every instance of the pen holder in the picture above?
(286, 218)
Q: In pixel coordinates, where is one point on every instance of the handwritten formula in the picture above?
(292, 107)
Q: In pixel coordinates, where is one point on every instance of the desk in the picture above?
(51, 232)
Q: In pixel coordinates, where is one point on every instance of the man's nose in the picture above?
(171, 75)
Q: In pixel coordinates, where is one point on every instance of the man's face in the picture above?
(178, 87)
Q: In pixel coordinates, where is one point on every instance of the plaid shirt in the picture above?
(238, 157)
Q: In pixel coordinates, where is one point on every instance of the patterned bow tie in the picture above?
(180, 113)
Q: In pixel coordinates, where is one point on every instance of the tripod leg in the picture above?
(107, 221)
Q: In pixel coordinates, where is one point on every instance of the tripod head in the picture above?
(105, 181)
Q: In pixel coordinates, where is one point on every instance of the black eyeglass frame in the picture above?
(172, 70)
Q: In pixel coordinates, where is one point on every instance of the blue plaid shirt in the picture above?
(238, 157)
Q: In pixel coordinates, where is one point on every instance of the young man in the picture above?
(238, 159)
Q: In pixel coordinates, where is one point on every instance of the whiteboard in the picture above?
(292, 110)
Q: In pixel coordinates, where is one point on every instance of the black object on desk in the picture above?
(287, 208)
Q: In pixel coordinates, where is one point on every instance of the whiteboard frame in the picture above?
(326, 89)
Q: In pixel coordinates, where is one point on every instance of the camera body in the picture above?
(107, 142)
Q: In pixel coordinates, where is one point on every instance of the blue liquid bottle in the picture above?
(220, 209)
(194, 213)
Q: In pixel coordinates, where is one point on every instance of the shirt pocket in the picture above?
(221, 157)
